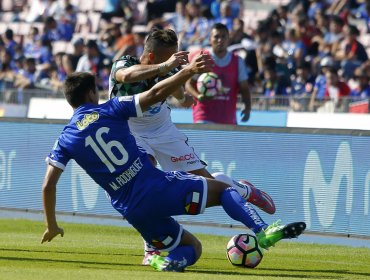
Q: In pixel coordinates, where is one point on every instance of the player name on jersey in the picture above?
(127, 175)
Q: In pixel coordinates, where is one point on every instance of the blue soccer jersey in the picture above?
(99, 140)
(100, 134)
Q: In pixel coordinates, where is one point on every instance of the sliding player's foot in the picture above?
(259, 198)
(165, 264)
(276, 232)
(148, 255)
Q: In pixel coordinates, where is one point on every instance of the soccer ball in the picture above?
(209, 85)
(243, 250)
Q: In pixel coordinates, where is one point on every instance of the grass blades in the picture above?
(105, 252)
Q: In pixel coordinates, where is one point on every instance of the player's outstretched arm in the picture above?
(49, 201)
(201, 64)
(141, 72)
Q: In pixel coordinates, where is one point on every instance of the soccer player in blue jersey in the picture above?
(99, 140)
(155, 132)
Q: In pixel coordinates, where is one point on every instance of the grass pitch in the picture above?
(105, 252)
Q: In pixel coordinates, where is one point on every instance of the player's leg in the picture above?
(248, 191)
(185, 254)
(234, 205)
(167, 235)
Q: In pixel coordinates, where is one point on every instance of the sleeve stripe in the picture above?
(55, 163)
(137, 105)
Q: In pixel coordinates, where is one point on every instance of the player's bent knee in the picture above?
(215, 189)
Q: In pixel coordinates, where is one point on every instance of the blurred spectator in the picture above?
(237, 33)
(275, 86)
(41, 51)
(301, 87)
(363, 12)
(235, 8)
(177, 21)
(70, 61)
(362, 88)
(9, 42)
(351, 53)
(28, 78)
(196, 28)
(92, 60)
(225, 17)
(319, 89)
(336, 89)
(50, 31)
(331, 40)
(315, 6)
(67, 23)
(7, 76)
(133, 50)
(63, 8)
(127, 38)
(294, 48)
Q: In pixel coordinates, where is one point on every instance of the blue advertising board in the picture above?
(316, 176)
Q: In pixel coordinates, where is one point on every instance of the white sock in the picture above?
(147, 248)
(242, 189)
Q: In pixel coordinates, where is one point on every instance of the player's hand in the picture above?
(50, 233)
(189, 101)
(177, 59)
(245, 115)
(202, 63)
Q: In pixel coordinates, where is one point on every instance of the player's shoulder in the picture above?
(126, 61)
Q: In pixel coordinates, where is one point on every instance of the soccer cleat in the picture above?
(259, 198)
(275, 232)
(148, 255)
(165, 264)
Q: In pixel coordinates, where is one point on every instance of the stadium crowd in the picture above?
(304, 55)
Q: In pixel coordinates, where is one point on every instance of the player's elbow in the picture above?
(123, 76)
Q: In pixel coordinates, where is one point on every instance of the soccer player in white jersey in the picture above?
(155, 132)
(98, 138)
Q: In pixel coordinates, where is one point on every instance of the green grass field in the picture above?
(106, 252)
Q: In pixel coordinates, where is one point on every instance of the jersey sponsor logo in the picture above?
(127, 175)
(192, 162)
(183, 158)
(125, 98)
(87, 119)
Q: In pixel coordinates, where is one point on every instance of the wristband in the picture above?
(162, 68)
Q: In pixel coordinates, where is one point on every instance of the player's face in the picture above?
(219, 40)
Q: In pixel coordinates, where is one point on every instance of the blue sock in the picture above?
(235, 206)
(184, 255)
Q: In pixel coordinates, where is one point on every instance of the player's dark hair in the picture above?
(76, 86)
(160, 38)
(220, 26)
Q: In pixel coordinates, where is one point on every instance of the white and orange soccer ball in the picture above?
(243, 250)
(209, 85)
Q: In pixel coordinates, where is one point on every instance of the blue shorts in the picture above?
(153, 201)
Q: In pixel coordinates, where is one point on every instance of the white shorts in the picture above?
(171, 151)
